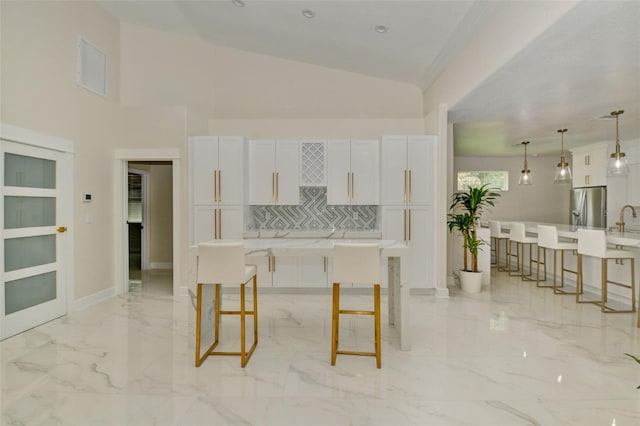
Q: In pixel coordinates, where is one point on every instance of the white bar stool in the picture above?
(593, 243)
(495, 230)
(357, 264)
(223, 263)
(518, 235)
(548, 239)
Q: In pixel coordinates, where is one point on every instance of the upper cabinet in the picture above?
(590, 165)
(274, 172)
(408, 175)
(216, 166)
(353, 172)
(313, 164)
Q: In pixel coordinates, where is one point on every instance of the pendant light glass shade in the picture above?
(525, 175)
(618, 161)
(563, 170)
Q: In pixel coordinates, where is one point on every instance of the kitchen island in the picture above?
(591, 268)
(396, 268)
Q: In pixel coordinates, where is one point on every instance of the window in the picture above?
(495, 179)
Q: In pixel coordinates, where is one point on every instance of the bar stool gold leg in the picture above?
(334, 322)
(376, 301)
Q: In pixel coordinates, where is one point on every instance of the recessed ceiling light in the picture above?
(381, 29)
(308, 13)
(238, 3)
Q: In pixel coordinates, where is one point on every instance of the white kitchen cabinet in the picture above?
(216, 223)
(263, 265)
(286, 271)
(274, 172)
(313, 163)
(353, 172)
(416, 227)
(407, 170)
(589, 165)
(216, 187)
(217, 169)
(314, 271)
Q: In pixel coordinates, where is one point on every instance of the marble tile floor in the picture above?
(512, 355)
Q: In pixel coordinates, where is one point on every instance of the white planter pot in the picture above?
(471, 282)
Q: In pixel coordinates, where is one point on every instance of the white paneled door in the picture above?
(35, 212)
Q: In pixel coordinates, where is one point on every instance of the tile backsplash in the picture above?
(312, 213)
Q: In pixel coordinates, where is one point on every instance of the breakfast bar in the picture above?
(396, 268)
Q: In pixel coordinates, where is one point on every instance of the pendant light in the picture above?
(525, 176)
(618, 161)
(563, 171)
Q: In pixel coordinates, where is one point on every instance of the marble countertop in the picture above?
(313, 246)
(629, 239)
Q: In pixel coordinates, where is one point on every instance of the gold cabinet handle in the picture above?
(409, 225)
(324, 263)
(410, 191)
(219, 224)
(404, 226)
(215, 231)
(353, 192)
(277, 196)
(405, 185)
(587, 179)
(273, 187)
(274, 263)
(62, 229)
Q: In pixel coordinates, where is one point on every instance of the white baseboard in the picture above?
(92, 299)
(160, 265)
(442, 293)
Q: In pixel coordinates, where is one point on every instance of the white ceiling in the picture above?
(584, 66)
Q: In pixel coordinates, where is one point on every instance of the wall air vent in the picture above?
(92, 67)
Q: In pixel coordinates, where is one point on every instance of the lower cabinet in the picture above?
(415, 226)
(291, 271)
(216, 223)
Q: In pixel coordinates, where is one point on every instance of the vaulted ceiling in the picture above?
(584, 65)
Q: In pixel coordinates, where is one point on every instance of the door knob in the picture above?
(62, 229)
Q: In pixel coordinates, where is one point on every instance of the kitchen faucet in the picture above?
(621, 223)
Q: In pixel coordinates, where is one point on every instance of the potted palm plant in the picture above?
(466, 209)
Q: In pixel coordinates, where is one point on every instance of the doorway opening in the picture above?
(150, 226)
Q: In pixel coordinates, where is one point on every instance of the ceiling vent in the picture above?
(92, 67)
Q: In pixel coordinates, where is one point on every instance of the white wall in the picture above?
(543, 201)
(39, 92)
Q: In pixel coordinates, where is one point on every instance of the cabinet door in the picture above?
(231, 222)
(394, 175)
(285, 271)
(203, 224)
(262, 166)
(313, 271)
(264, 269)
(338, 169)
(288, 172)
(231, 170)
(203, 158)
(365, 169)
(394, 226)
(421, 238)
(421, 163)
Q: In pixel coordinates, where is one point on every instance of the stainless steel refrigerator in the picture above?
(588, 206)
